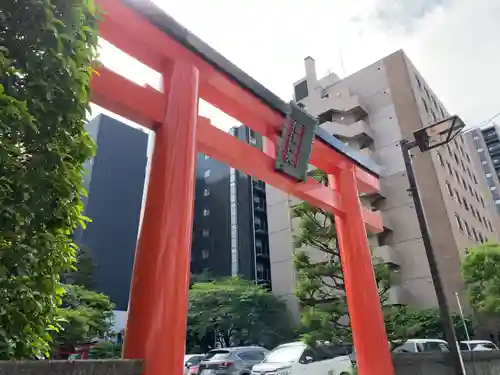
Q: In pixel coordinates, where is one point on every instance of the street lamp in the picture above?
(425, 139)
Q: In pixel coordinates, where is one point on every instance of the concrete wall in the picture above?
(110, 367)
(476, 363)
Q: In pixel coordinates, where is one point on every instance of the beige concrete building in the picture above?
(372, 110)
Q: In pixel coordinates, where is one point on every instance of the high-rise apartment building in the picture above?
(372, 110)
(115, 183)
(230, 219)
(484, 144)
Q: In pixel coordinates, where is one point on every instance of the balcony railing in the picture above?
(359, 130)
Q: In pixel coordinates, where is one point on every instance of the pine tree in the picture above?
(320, 286)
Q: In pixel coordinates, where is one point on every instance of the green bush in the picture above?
(47, 48)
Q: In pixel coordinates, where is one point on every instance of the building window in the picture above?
(206, 212)
(301, 91)
(258, 223)
(205, 254)
(448, 189)
(440, 157)
(493, 188)
(418, 82)
(427, 92)
(482, 201)
(489, 175)
(459, 222)
(467, 229)
(450, 171)
(475, 234)
(207, 173)
(480, 237)
(480, 150)
(466, 205)
(206, 233)
(467, 157)
(206, 192)
(458, 197)
(425, 105)
(484, 162)
(476, 137)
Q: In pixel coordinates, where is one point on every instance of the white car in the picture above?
(477, 345)
(298, 359)
(422, 346)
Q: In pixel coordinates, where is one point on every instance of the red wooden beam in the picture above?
(143, 105)
(153, 48)
(242, 156)
(147, 106)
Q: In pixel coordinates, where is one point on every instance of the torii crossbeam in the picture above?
(156, 326)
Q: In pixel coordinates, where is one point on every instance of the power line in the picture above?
(487, 121)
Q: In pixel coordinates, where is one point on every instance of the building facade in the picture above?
(484, 144)
(230, 219)
(372, 110)
(114, 182)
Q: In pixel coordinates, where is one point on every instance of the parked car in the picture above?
(191, 362)
(296, 358)
(477, 345)
(231, 361)
(422, 346)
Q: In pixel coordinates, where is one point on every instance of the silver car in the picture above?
(232, 361)
(191, 362)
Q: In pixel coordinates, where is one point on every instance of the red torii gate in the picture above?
(156, 326)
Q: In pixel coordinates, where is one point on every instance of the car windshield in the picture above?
(217, 355)
(480, 345)
(435, 346)
(193, 360)
(285, 354)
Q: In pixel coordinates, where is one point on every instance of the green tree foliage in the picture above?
(106, 350)
(320, 285)
(47, 48)
(235, 312)
(481, 274)
(204, 277)
(424, 324)
(84, 316)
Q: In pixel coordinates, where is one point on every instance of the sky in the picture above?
(453, 43)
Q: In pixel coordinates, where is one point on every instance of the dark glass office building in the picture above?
(487, 144)
(115, 184)
(230, 223)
